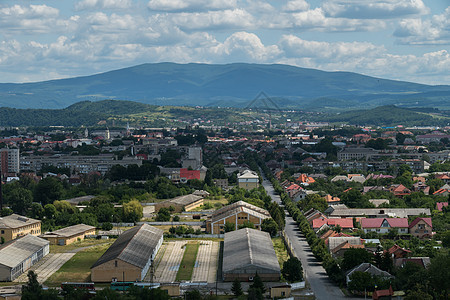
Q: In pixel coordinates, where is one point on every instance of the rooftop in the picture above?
(16, 221)
(16, 251)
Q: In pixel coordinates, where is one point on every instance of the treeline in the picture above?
(419, 283)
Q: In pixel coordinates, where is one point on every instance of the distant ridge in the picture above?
(226, 85)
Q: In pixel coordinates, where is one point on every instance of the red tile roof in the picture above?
(440, 205)
(417, 220)
(189, 174)
(376, 222)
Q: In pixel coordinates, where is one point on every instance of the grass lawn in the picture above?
(188, 261)
(280, 250)
(77, 269)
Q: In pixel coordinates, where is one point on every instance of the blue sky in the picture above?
(395, 39)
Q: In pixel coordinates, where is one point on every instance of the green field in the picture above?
(78, 268)
(188, 261)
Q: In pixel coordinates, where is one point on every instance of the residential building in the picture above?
(9, 161)
(248, 180)
(14, 226)
(129, 258)
(368, 268)
(236, 213)
(357, 153)
(19, 255)
(341, 212)
(247, 252)
(383, 225)
(421, 228)
(68, 235)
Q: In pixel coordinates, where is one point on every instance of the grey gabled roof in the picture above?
(69, 231)
(249, 247)
(135, 246)
(16, 251)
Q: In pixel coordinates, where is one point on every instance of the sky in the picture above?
(405, 40)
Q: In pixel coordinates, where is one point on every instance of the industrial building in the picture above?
(19, 255)
(236, 213)
(68, 235)
(247, 252)
(129, 258)
(181, 203)
(248, 180)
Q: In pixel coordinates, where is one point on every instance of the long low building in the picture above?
(181, 203)
(247, 252)
(68, 235)
(19, 255)
(130, 256)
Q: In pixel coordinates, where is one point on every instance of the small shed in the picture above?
(68, 235)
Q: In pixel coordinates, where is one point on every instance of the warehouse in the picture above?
(181, 203)
(68, 235)
(236, 213)
(247, 252)
(19, 255)
(130, 256)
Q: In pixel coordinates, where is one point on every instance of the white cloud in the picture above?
(102, 4)
(435, 30)
(237, 18)
(191, 5)
(378, 9)
(296, 5)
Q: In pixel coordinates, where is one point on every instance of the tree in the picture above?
(32, 290)
(20, 200)
(133, 211)
(247, 224)
(49, 211)
(107, 226)
(48, 190)
(258, 283)
(269, 225)
(292, 270)
(354, 257)
(229, 227)
(236, 288)
(361, 281)
(193, 295)
(163, 215)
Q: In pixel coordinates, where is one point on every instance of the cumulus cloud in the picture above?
(296, 5)
(378, 9)
(102, 4)
(422, 32)
(191, 5)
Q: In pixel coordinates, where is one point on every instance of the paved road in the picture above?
(315, 274)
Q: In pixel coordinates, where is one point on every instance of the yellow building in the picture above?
(281, 291)
(129, 258)
(236, 213)
(14, 226)
(68, 235)
(248, 180)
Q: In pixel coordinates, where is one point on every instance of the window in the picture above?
(3, 232)
(115, 263)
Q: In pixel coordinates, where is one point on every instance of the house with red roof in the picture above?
(332, 200)
(444, 177)
(399, 190)
(398, 252)
(421, 228)
(440, 205)
(383, 294)
(304, 179)
(442, 192)
(383, 225)
(186, 174)
(344, 223)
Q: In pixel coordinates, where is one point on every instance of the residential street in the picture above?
(315, 274)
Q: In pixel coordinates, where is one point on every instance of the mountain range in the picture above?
(229, 85)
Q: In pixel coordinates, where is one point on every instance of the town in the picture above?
(303, 209)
